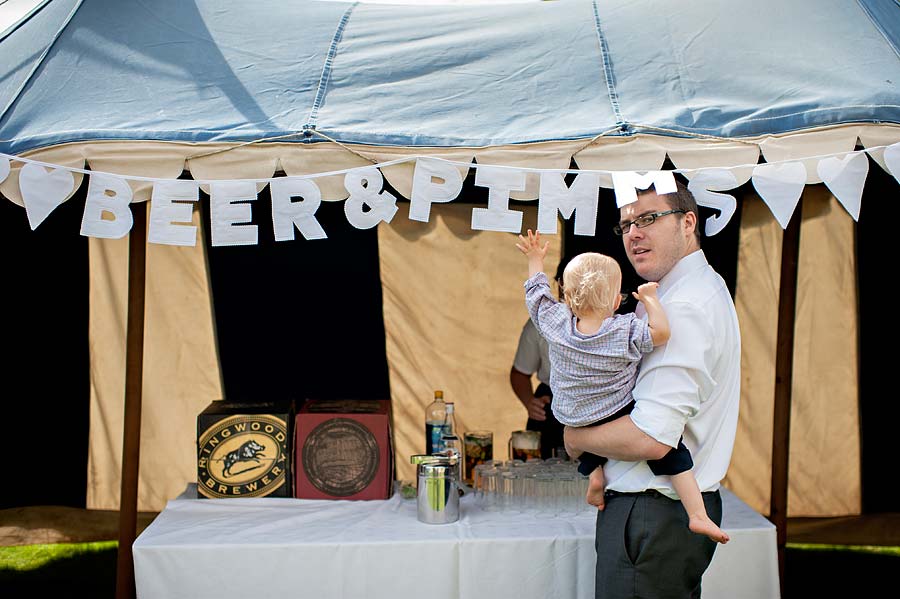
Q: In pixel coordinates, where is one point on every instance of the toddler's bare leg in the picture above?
(686, 486)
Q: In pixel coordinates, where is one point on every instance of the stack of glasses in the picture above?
(548, 488)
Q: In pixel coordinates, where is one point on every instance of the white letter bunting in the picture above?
(295, 200)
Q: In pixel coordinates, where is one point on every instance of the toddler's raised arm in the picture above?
(532, 248)
(656, 316)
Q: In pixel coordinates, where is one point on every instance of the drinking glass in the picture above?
(525, 445)
(478, 447)
(508, 491)
(490, 489)
(545, 493)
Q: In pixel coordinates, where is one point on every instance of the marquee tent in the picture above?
(778, 94)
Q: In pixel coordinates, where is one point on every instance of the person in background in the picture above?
(690, 388)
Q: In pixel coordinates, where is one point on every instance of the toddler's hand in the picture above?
(531, 246)
(647, 290)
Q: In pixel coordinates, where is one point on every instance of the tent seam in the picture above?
(39, 62)
(326, 69)
(607, 69)
(24, 19)
(868, 12)
(636, 128)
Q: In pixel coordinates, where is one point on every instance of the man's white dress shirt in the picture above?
(690, 385)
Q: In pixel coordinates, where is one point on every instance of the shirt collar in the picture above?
(682, 269)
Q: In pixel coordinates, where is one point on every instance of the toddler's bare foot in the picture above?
(702, 525)
(596, 487)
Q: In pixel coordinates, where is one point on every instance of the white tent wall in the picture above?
(824, 466)
(825, 427)
(453, 311)
(181, 372)
(475, 277)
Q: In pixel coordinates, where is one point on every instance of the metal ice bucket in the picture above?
(437, 489)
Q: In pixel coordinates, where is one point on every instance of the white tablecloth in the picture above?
(280, 548)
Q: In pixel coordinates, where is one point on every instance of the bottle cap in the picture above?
(449, 406)
(438, 394)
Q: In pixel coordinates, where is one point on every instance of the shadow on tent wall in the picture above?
(46, 368)
(302, 318)
(876, 255)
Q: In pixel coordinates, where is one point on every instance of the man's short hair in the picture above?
(682, 199)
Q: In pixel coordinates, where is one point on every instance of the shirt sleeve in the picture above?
(546, 312)
(640, 336)
(528, 353)
(676, 377)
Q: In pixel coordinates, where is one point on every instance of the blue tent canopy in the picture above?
(445, 76)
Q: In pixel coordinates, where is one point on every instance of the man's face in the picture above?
(655, 249)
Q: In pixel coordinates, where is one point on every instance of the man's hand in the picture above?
(521, 386)
(535, 406)
(569, 439)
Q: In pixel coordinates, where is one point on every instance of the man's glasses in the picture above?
(642, 221)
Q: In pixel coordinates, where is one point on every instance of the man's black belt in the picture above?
(647, 493)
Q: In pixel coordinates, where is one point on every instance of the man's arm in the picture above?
(521, 386)
(672, 382)
(618, 440)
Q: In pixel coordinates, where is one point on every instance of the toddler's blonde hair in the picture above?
(591, 283)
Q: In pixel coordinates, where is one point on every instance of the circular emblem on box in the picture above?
(242, 456)
(340, 457)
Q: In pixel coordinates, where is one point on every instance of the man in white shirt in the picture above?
(688, 387)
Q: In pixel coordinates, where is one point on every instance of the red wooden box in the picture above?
(343, 450)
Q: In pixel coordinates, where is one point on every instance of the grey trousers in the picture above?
(645, 549)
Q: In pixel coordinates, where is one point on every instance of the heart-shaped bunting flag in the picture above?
(845, 177)
(891, 158)
(780, 186)
(43, 190)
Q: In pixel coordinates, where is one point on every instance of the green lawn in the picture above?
(65, 570)
(89, 570)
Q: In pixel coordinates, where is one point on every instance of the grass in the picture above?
(62, 570)
(870, 549)
(31, 557)
(89, 570)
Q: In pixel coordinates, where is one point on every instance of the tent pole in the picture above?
(134, 373)
(784, 367)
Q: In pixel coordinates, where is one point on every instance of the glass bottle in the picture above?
(449, 437)
(435, 420)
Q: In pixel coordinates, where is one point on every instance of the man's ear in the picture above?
(690, 221)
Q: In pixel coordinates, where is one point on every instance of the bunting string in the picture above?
(295, 198)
